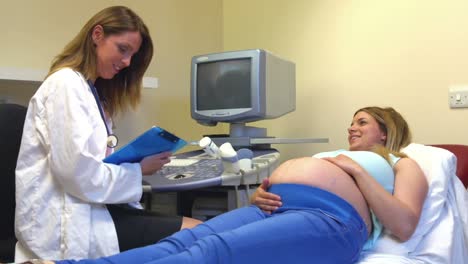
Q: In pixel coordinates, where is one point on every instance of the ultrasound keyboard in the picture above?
(195, 169)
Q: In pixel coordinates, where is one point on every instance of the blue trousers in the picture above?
(312, 226)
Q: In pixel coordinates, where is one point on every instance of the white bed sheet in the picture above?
(442, 232)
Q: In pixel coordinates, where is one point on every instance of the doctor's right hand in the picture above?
(265, 200)
(151, 164)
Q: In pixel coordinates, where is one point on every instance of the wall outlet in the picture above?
(150, 82)
(458, 96)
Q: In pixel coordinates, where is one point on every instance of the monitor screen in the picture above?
(241, 86)
(224, 84)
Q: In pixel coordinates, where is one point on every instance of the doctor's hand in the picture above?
(265, 200)
(151, 164)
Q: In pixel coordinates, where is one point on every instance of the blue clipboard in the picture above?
(155, 140)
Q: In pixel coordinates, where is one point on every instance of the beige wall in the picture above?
(356, 53)
(33, 32)
(348, 54)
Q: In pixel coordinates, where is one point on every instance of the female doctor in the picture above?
(63, 188)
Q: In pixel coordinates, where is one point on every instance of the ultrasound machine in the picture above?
(234, 87)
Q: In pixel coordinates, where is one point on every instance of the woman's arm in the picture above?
(399, 212)
(410, 191)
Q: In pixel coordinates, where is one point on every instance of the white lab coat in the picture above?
(62, 185)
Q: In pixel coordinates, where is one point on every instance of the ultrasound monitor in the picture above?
(238, 87)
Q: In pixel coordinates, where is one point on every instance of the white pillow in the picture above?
(438, 165)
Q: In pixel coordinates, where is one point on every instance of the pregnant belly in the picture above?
(325, 175)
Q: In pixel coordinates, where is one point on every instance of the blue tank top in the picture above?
(380, 170)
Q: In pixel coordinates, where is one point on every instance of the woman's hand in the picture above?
(345, 163)
(151, 164)
(265, 200)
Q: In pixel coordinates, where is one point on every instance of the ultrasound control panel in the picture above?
(196, 169)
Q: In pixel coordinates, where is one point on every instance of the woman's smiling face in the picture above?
(365, 132)
(114, 52)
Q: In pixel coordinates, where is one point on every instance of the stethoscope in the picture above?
(112, 140)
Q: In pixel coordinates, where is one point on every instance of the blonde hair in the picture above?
(124, 89)
(392, 123)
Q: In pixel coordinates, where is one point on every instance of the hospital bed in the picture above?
(442, 232)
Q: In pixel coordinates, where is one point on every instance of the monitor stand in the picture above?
(243, 136)
(242, 130)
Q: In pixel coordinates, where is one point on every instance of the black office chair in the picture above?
(11, 122)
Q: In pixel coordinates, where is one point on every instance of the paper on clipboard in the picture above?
(154, 140)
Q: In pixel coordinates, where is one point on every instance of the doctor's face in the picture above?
(114, 52)
(365, 132)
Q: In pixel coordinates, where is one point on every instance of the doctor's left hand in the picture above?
(151, 164)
